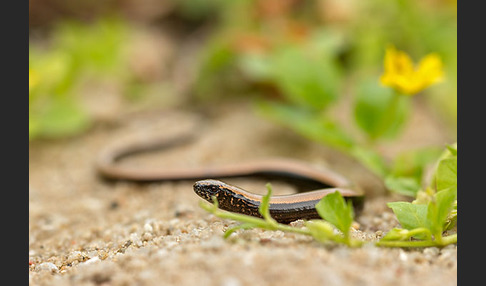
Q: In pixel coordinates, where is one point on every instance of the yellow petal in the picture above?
(430, 69)
(400, 73)
(397, 62)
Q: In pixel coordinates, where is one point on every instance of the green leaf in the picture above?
(320, 230)
(445, 169)
(378, 111)
(446, 174)
(334, 209)
(438, 210)
(407, 186)
(264, 208)
(452, 149)
(305, 80)
(409, 215)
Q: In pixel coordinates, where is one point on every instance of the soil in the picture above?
(86, 231)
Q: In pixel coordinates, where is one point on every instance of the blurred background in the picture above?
(312, 67)
(90, 61)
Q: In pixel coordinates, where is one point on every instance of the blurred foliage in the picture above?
(372, 107)
(296, 59)
(299, 58)
(251, 34)
(75, 51)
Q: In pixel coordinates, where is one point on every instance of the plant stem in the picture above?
(420, 243)
(450, 239)
(256, 222)
(253, 222)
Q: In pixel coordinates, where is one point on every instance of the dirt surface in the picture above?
(86, 231)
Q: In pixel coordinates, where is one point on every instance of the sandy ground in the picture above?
(86, 231)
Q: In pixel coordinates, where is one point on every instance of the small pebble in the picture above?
(403, 256)
(298, 223)
(148, 228)
(431, 253)
(91, 260)
(75, 256)
(92, 254)
(147, 236)
(47, 266)
(135, 238)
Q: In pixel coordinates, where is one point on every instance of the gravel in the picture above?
(85, 231)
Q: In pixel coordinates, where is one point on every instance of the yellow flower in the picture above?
(401, 74)
(33, 78)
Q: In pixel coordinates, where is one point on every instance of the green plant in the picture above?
(300, 71)
(338, 215)
(423, 221)
(433, 212)
(380, 112)
(307, 80)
